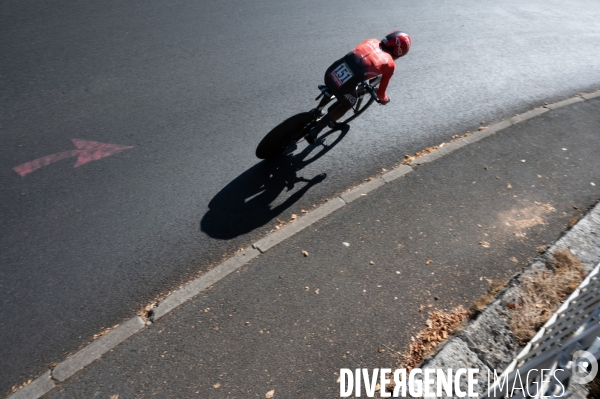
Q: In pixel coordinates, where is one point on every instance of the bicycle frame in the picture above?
(361, 89)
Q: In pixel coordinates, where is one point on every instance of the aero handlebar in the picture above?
(371, 91)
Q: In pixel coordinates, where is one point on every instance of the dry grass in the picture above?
(594, 388)
(481, 303)
(439, 326)
(543, 293)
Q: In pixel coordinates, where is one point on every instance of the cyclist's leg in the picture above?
(337, 110)
(341, 81)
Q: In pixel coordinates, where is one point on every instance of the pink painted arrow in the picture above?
(87, 151)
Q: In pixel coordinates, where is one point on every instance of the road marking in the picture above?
(87, 151)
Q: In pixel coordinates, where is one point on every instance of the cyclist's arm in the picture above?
(386, 75)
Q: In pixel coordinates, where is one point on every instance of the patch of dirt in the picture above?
(518, 220)
(543, 293)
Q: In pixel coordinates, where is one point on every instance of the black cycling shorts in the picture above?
(342, 77)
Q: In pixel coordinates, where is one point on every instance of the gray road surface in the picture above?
(289, 322)
(193, 86)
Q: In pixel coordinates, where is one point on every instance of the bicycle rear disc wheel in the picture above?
(284, 135)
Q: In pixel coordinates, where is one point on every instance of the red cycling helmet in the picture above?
(398, 43)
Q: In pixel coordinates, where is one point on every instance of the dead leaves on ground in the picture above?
(439, 326)
(293, 218)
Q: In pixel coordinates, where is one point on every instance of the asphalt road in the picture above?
(192, 87)
(289, 322)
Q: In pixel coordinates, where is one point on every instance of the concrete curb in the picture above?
(493, 129)
(437, 154)
(198, 285)
(75, 363)
(396, 173)
(528, 115)
(99, 347)
(289, 230)
(362, 190)
(589, 96)
(487, 342)
(563, 103)
(35, 389)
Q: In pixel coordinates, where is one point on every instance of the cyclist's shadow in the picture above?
(246, 203)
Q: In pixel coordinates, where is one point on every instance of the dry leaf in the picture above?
(304, 253)
(346, 244)
(439, 325)
(114, 396)
(306, 288)
(541, 249)
(303, 211)
(484, 244)
(371, 263)
(317, 291)
(429, 262)
(294, 216)
(270, 394)
(508, 185)
(217, 386)
(514, 260)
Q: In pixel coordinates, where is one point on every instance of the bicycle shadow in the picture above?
(250, 200)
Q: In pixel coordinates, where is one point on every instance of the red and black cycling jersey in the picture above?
(364, 62)
(375, 62)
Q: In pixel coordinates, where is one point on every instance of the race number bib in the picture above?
(341, 74)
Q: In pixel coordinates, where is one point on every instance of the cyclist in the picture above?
(369, 59)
